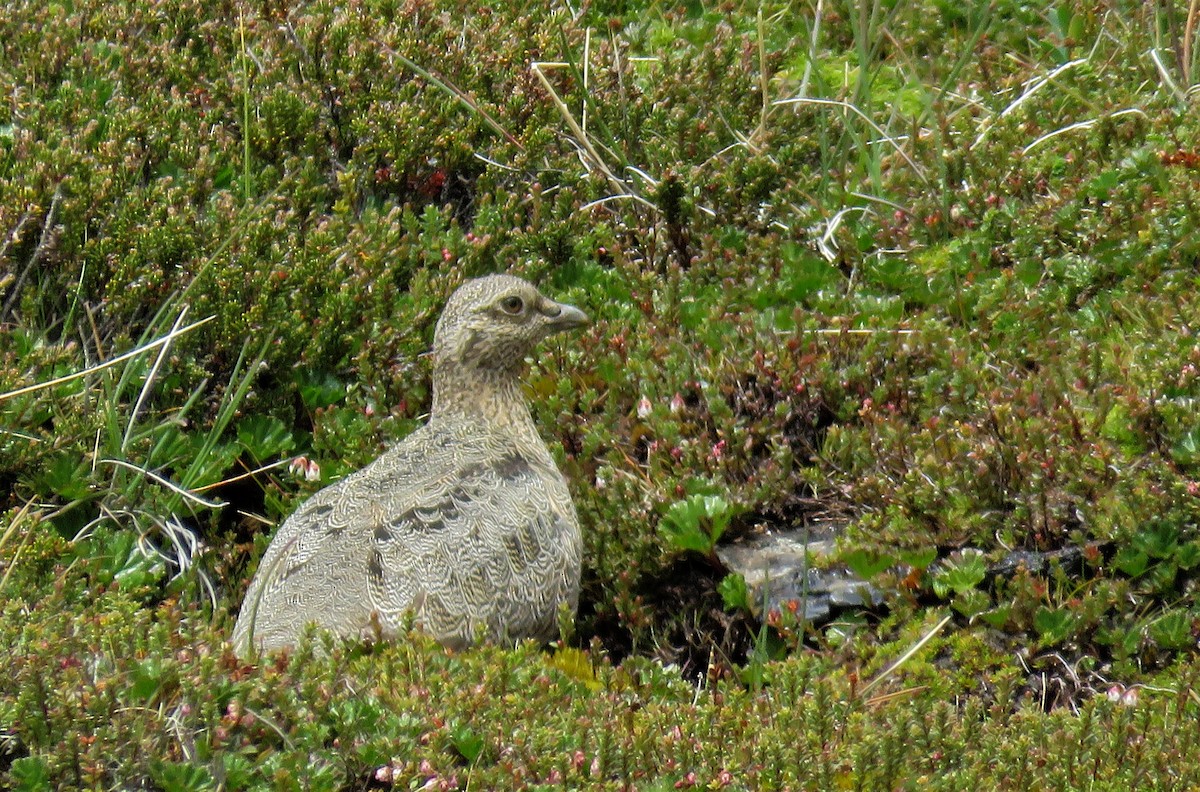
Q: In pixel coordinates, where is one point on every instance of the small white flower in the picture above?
(303, 466)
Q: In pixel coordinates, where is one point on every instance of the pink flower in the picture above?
(644, 407)
(676, 404)
(303, 466)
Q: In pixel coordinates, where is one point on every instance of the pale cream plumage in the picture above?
(467, 524)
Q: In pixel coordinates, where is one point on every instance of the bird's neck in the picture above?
(492, 398)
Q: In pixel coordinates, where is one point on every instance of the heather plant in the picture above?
(928, 269)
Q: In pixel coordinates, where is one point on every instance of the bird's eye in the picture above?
(512, 305)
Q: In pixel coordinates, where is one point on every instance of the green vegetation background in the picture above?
(927, 269)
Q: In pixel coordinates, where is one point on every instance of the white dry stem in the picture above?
(912, 650)
(1032, 87)
(178, 490)
(150, 378)
(107, 364)
(1091, 122)
(883, 136)
(1165, 74)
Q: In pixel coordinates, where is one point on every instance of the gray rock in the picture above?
(780, 567)
(792, 565)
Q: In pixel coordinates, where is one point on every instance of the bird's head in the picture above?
(494, 322)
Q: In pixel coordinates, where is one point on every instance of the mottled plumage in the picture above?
(467, 524)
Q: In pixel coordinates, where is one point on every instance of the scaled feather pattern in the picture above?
(464, 529)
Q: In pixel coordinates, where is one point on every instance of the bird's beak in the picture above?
(565, 317)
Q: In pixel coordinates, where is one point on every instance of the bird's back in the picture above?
(470, 531)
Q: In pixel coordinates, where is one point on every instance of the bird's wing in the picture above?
(456, 528)
(484, 550)
(315, 568)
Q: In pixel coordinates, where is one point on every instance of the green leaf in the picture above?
(1187, 555)
(997, 617)
(319, 389)
(1120, 429)
(576, 664)
(972, 602)
(66, 476)
(685, 536)
(1053, 625)
(264, 437)
(1131, 561)
(804, 273)
(467, 742)
(147, 679)
(238, 770)
(960, 574)
(210, 462)
(867, 563)
(224, 177)
(1161, 577)
(1186, 450)
(734, 592)
(178, 777)
(696, 523)
(1159, 540)
(1173, 630)
(29, 774)
(1124, 642)
(919, 558)
(1102, 186)
(115, 557)
(171, 445)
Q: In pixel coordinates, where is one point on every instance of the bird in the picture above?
(464, 530)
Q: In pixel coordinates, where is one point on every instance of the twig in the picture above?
(247, 474)
(1166, 76)
(12, 527)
